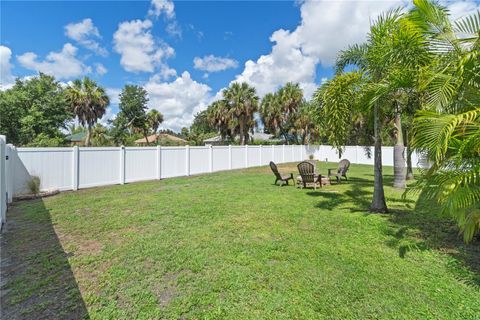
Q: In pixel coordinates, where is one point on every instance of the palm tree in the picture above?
(242, 102)
(154, 119)
(218, 116)
(272, 115)
(449, 130)
(373, 60)
(278, 110)
(88, 102)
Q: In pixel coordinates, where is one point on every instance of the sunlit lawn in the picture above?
(231, 245)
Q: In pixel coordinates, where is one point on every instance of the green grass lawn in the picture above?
(231, 245)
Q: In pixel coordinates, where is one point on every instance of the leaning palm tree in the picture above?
(88, 102)
(242, 102)
(154, 119)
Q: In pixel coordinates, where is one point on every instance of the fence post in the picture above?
(187, 160)
(122, 165)
(261, 162)
(9, 171)
(210, 158)
(230, 157)
(246, 156)
(3, 184)
(159, 162)
(75, 156)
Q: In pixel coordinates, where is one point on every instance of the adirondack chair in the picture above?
(341, 171)
(279, 177)
(308, 176)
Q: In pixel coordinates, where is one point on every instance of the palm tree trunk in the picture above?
(398, 154)
(378, 201)
(89, 134)
(409, 158)
(242, 134)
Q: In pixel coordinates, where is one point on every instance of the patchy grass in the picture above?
(231, 245)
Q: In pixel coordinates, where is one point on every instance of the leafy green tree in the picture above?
(32, 107)
(133, 106)
(88, 101)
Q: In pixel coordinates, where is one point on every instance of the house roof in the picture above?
(155, 137)
(76, 137)
(256, 136)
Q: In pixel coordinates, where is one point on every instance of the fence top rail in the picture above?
(43, 149)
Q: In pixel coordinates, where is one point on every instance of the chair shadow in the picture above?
(37, 281)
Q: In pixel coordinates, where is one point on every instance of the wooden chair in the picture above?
(279, 177)
(308, 176)
(341, 171)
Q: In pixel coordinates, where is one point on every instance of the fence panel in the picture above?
(199, 160)
(278, 154)
(254, 156)
(173, 162)
(238, 157)
(52, 165)
(99, 167)
(266, 155)
(221, 158)
(140, 163)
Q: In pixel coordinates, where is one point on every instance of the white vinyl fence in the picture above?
(75, 168)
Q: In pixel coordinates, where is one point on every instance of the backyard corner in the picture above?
(231, 245)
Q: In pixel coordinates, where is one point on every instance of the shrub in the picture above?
(34, 185)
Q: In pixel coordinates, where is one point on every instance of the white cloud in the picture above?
(85, 33)
(138, 49)
(178, 100)
(100, 69)
(6, 77)
(62, 65)
(211, 63)
(157, 7)
(326, 27)
(460, 9)
(174, 30)
(114, 95)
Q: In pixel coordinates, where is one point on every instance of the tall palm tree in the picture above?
(218, 115)
(278, 110)
(154, 119)
(271, 114)
(360, 88)
(88, 102)
(242, 102)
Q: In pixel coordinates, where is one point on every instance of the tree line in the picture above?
(41, 112)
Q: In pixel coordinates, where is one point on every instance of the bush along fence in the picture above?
(74, 168)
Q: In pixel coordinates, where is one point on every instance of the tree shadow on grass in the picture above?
(360, 192)
(418, 226)
(37, 281)
(424, 228)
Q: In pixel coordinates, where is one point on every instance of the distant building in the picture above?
(161, 138)
(77, 139)
(256, 137)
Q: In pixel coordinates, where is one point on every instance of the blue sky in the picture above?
(184, 52)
